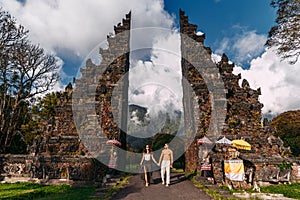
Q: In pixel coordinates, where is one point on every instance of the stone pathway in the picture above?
(179, 189)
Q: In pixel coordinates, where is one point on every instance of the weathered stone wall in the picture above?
(57, 145)
(262, 169)
(243, 107)
(51, 169)
(60, 137)
(64, 124)
(59, 154)
(108, 86)
(193, 85)
(243, 112)
(202, 90)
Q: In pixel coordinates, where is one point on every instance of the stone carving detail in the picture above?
(273, 174)
(46, 168)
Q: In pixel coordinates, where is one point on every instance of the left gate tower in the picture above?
(101, 94)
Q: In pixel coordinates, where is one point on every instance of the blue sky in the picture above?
(220, 19)
(217, 18)
(215, 15)
(72, 28)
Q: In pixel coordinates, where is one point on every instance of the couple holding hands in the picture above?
(165, 161)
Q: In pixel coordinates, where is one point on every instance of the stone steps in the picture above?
(264, 196)
(111, 181)
(214, 187)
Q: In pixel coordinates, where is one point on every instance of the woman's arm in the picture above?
(142, 159)
(153, 159)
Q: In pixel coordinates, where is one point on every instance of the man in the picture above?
(166, 162)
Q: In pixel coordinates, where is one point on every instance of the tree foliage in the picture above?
(42, 114)
(26, 70)
(45, 109)
(287, 127)
(285, 36)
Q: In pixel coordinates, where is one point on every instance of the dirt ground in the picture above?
(179, 189)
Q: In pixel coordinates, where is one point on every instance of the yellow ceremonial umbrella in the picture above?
(241, 144)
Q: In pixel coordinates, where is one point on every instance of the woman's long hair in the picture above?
(145, 150)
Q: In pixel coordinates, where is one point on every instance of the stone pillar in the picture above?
(104, 88)
(203, 102)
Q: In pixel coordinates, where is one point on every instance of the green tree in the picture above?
(18, 145)
(42, 113)
(287, 127)
(25, 71)
(285, 36)
(45, 109)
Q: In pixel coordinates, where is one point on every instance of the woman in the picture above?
(146, 162)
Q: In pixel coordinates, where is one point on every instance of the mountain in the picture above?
(143, 127)
(138, 113)
(287, 126)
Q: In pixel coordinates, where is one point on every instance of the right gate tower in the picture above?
(216, 105)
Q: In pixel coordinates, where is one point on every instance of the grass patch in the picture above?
(174, 170)
(20, 191)
(28, 191)
(288, 190)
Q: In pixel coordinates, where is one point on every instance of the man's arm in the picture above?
(171, 158)
(160, 158)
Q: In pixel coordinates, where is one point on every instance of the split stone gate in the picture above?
(96, 110)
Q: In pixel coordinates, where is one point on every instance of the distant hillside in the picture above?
(287, 127)
(146, 129)
(138, 111)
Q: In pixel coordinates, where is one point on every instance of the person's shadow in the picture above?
(177, 178)
(174, 178)
(155, 178)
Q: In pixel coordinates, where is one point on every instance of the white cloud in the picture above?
(244, 45)
(279, 82)
(158, 80)
(78, 26)
(249, 45)
(134, 118)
